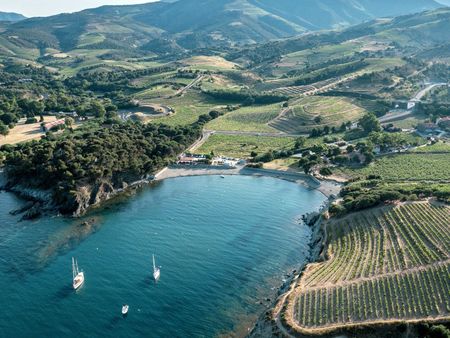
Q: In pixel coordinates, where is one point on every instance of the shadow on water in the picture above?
(64, 292)
(147, 281)
(39, 255)
(114, 322)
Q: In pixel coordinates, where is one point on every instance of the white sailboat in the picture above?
(78, 276)
(156, 270)
(125, 308)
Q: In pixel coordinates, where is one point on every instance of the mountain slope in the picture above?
(191, 24)
(12, 17)
(422, 34)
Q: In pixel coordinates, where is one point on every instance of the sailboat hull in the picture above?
(78, 281)
(156, 274)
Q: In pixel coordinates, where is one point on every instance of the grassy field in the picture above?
(213, 63)
(406, 167)
(25, 132)
(187, 108)
(255, 118)
(241, 146)
(384, 264)
(317, 112)
(155, 92)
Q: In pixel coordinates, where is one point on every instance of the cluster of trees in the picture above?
(433, 331)
(121, 153)
(434, 109)
(205, 118)
(32, 92)
(246, 97)
(316, 132)
(373, 191)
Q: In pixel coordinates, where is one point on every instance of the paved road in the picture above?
(424, 91)
(190, 85)
(395, 116)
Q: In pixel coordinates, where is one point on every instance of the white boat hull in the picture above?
(125, 309)
(78, 280)
(156, 274)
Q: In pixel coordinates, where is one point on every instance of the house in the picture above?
(224, 161)
(444, 122)
(48, 126)
(427, 127)
(189, 159)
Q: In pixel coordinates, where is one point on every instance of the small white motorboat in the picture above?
(222, 176)
(77, 276)
(125, 309)
(156, 270)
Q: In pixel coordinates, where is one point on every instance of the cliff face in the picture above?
(88, 196)
(75, 203)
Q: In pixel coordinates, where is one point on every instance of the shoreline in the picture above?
(265, 322)
(327, 188)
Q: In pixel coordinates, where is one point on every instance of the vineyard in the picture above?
(294, 90)
(318, 112)
(253, 118)
(382, 265)
(425, 166)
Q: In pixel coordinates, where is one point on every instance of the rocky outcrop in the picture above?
(88, 196)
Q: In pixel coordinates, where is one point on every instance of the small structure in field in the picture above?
(48, 126)
(224, 161)
(192, 159)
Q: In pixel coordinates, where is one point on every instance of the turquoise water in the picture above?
(223, 246)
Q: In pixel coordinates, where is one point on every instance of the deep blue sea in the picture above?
(224, 245)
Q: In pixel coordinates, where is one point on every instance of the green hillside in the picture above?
(174, 27)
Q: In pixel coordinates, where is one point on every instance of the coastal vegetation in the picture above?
(78, 168)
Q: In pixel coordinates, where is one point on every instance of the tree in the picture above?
(369, 123)
(69, 122)
(8, 118)
(97, 109)
(300, 142)
(4, 130)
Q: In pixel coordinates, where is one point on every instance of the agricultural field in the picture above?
(212, 63)
(385, 264)
(299, 60)
(317, 112)
(154, 92)
(439, 147)
(254, 118)
(241, 146)
(406, 167)
(187, 108)
(218, 82)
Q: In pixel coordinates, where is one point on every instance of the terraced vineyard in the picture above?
(388, 264)
(318, 112)
(255, 118)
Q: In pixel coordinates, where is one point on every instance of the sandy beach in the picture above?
(328, 188)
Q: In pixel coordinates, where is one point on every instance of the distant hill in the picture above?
(12, 17)
(191, 24)
(426, 33)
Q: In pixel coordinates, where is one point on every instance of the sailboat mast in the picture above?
(154, 265)
(73, 268)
